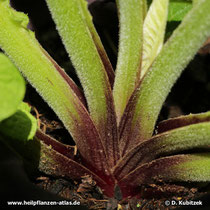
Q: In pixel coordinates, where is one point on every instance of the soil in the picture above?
(189, 95)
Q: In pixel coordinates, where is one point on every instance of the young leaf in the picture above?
(130, 50)
(21, 125)
(181, 121)
(69, 17)
(153, 32)
(23, 49)
(12, 86)
(178, 9)
(146, 102)
(176, 140)
(194, 168)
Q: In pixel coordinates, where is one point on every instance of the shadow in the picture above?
(17, 126)
(15, 184)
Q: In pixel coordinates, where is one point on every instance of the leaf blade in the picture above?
(178, 9)
(153, 32)
(98, 43)
(181, 121)
(130, 48)
(69, 81)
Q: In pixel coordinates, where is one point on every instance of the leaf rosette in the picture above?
(113, 131)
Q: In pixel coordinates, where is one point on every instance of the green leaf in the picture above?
(145, 104)
(25, 107)
(196, 169)
(153, 32)
(69, 81)
(51, 83)
(178, 9)
(12, 86)
(88, 19)
(176, 140)
(77, 34)
(145, 8)
(130, 49)
(178, 168)
(21, 125)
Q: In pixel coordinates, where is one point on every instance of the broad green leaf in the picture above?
(24, 107)
(178, 9)
(74, 29)
(21, 125)
(130, 50)
(24, 50)
(153, 32)
(176, 140)
(178, 168)
(145, 104)
(181, 121)
(12, 87)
